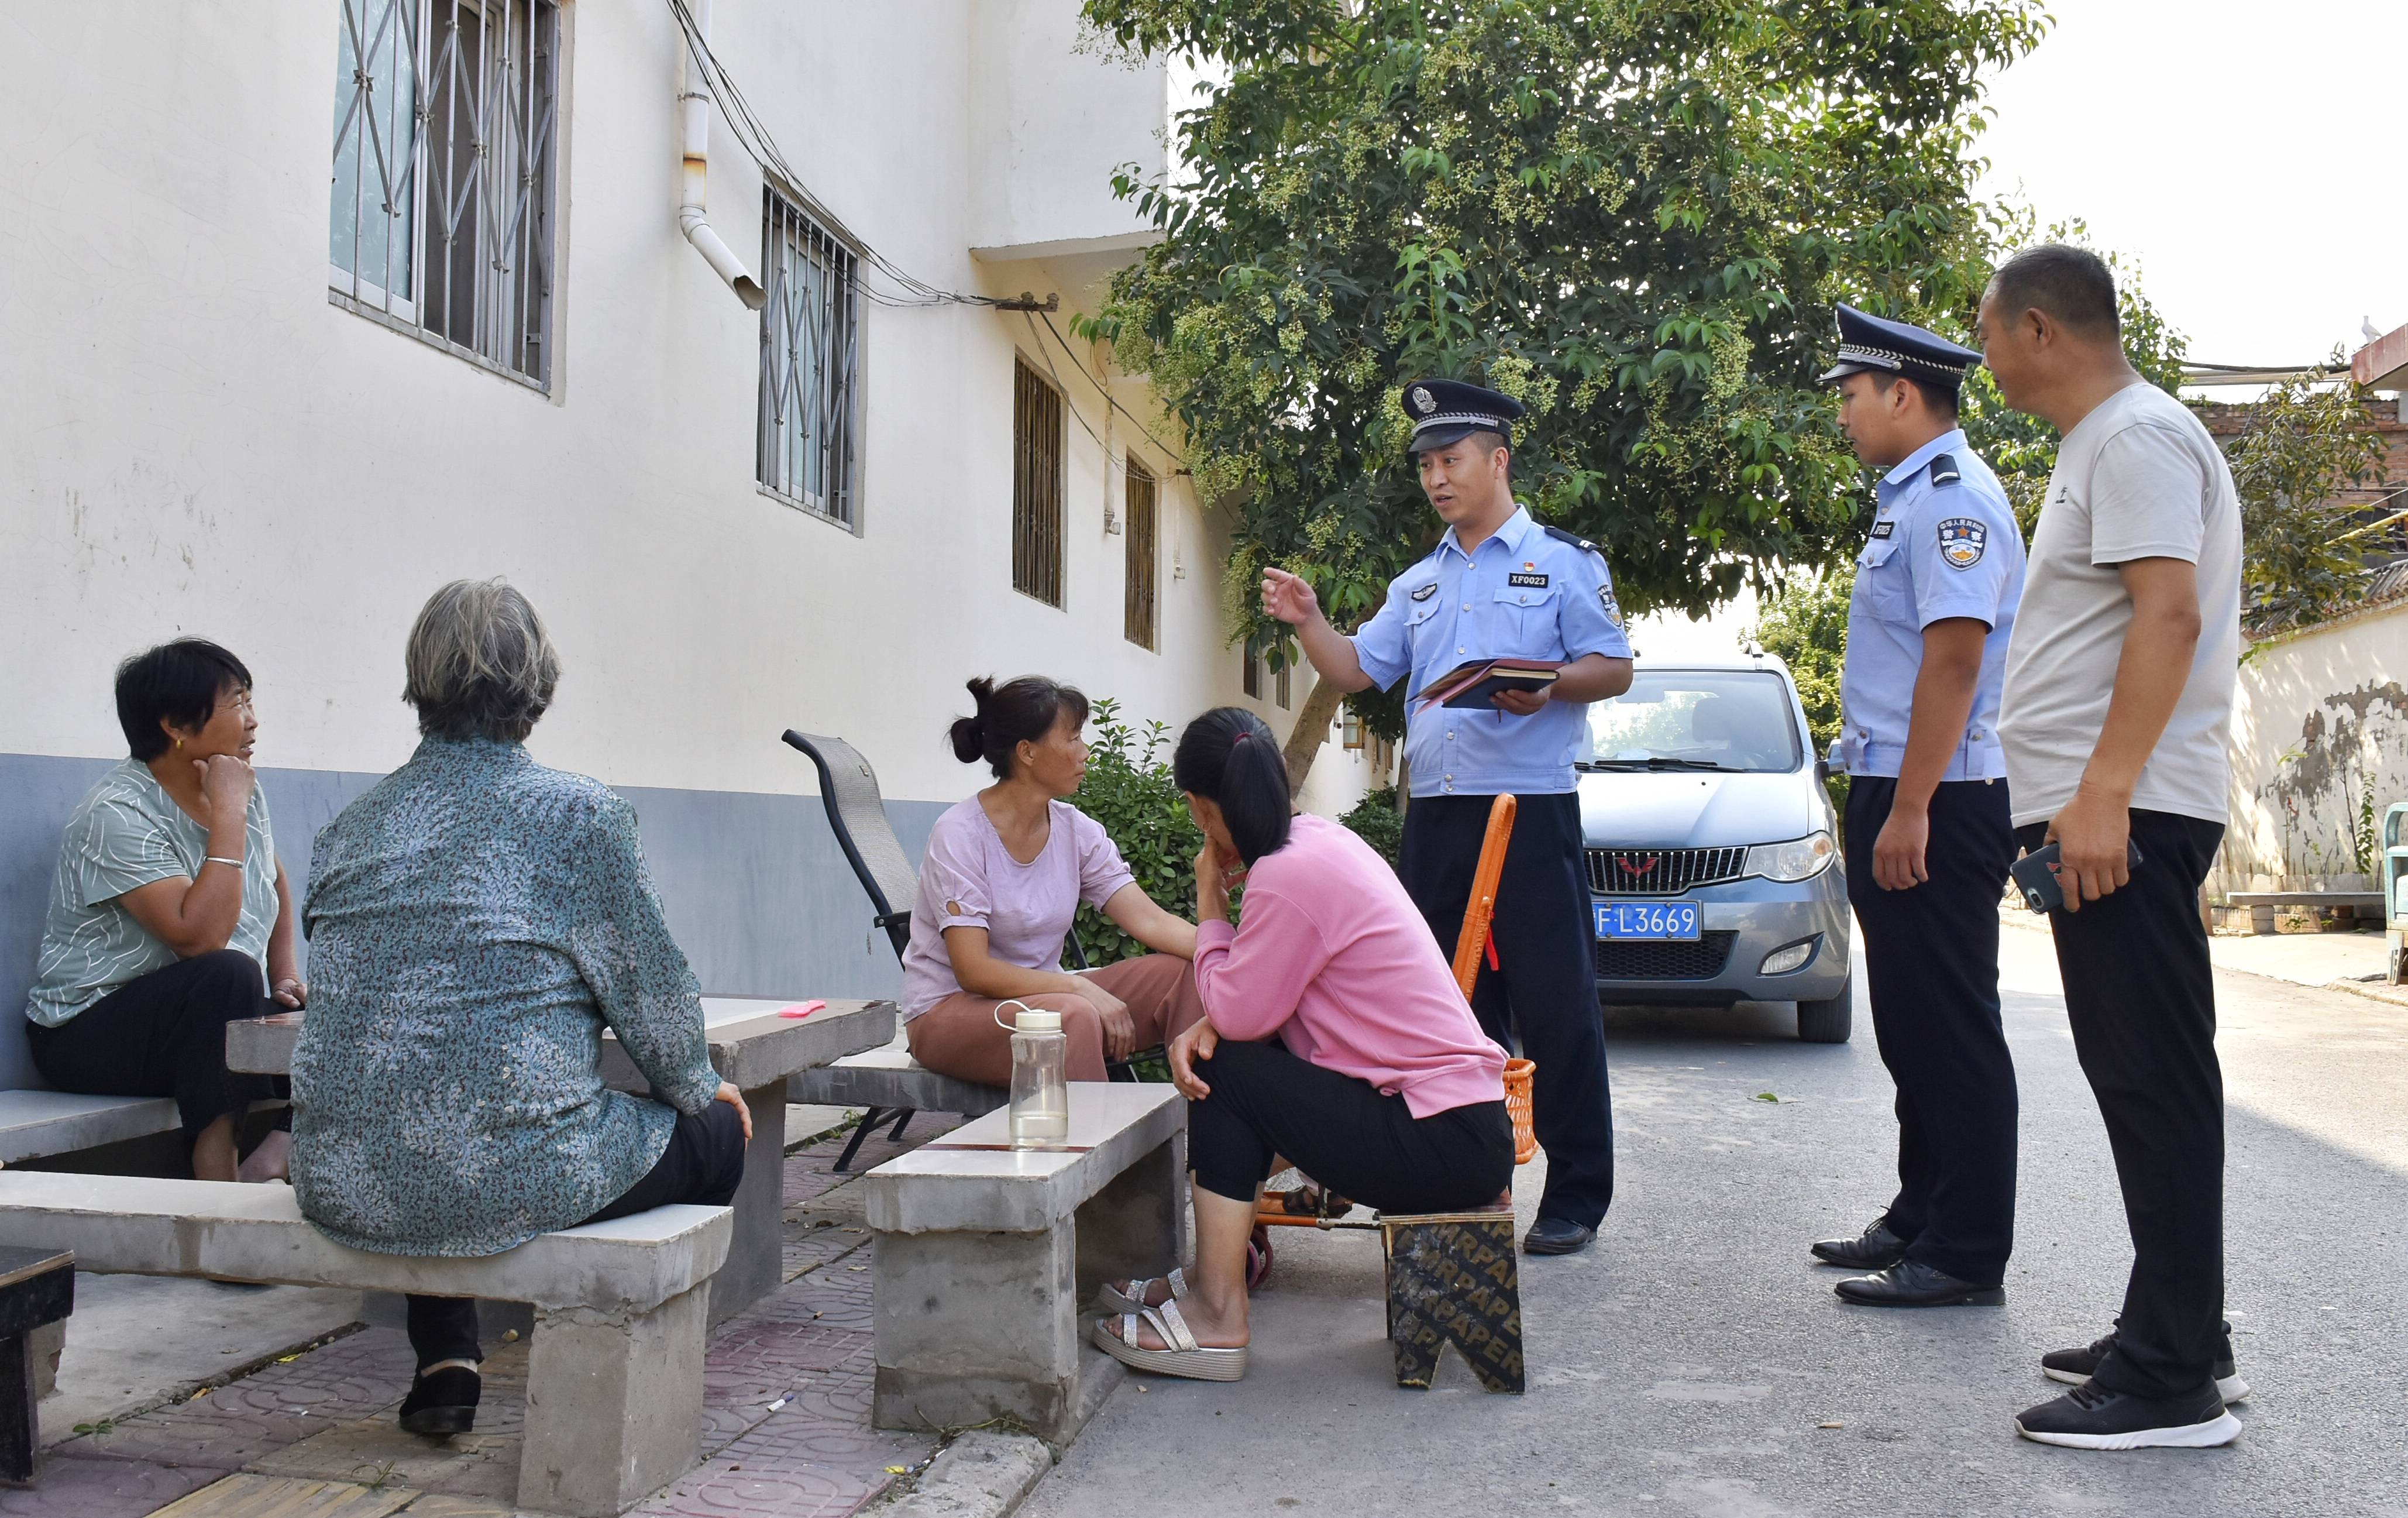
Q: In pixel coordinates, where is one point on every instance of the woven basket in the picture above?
(1517, 1103)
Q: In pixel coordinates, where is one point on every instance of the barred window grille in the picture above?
(809, 346)
(1282, 686)
(1035, 485)
(1143, 502)
(445, 135)
(1253, 677)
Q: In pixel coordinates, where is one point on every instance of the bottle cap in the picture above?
(1037, 1020)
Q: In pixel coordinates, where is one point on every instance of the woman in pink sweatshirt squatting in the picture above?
(1333, 1036)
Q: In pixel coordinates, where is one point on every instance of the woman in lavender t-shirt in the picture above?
(1004, 873)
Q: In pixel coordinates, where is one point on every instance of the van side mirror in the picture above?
(1823, 770)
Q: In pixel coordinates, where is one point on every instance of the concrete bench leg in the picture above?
(976, 1327)
(1136, 1225)
(614, 1404)
(756, 1256)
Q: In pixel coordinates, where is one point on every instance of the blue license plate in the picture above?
(1646, 920)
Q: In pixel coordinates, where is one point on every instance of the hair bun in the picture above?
(968, 734)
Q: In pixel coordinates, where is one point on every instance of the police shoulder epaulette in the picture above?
(1574, 539)
(1944, 469)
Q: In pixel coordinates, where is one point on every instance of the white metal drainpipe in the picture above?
(696, 101)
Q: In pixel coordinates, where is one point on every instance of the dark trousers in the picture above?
(703, 1164)
(1543, 997)
(1931, 964)
(164, 1034)
(2141, 1000)
(1342, 1132)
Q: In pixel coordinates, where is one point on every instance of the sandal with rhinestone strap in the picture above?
(1184, 1357)
(1112, 1299)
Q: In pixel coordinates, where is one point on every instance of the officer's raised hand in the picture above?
(1898, 853)
(1288, 598)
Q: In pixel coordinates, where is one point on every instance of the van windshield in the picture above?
(1701, 720)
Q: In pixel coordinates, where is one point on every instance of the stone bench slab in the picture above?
(139, 1225)
(889, 1077)
(972, 1181)
(34, 1124)
(2305, 898)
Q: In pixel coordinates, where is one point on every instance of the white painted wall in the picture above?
(197, 442)
(2319, 716)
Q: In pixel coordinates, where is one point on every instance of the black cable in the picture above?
(1110, 399)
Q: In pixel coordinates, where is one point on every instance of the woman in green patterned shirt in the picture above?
(167, 903)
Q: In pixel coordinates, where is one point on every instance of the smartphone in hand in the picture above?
(2036, 876)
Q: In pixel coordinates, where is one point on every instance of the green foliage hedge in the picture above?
(1129, 790)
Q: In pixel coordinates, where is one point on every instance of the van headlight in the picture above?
(1801, 858)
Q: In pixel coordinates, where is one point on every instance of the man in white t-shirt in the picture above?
(2118, 699)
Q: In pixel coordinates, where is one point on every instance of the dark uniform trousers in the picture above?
(1545, 988)
(2141, 997)
(1931, 960)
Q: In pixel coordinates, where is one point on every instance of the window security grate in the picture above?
(1035, 485)
(1660, 872)
(1144, 496)
(445, 129)
(1253, 678)
(810, 343)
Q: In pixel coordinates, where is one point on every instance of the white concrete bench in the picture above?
(35, 1125)
(614, 1379)
(888, 1082)
(983, 1255)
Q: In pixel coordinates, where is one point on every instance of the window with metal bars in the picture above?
(809, 347)
(1143, 502)
(445, 132)
(1035, 485)
(1253, 678)
(1282, 685)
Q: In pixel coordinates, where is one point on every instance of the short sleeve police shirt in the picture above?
(1944, 545)
(1524, 593)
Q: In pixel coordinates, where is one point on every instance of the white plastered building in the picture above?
(251, 396)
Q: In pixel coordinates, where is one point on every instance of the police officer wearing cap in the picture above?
(1499, 585)
(1928, 836)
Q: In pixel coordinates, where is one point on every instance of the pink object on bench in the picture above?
(801, 1009)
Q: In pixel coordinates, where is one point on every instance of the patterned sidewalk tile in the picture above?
(237, 1424)
(758, 1360)
(376, 1450)
(811, 1242)
(276, 1496)
(724, 1488)
(802, 1436)
(833, 1296)
(72, 1488)
(444, 1505)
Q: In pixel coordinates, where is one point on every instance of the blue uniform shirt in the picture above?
(1945, 544)
(1521, 594)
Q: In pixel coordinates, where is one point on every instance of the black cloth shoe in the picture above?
(2075, 1367)
(1911, 1283)
(1876, 1249)
(1557, 1236)
(2092, 1418)
(442, 1403)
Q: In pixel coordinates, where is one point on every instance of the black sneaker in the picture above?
(442, 1402)
(2075, 1367)
(2091, 1418)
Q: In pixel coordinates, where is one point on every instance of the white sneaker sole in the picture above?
(2222, 1429)
(2230, 1388)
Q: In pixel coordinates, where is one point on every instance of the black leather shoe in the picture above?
(1877, 1249)
(2090, 1418)
(1557, 1236)
(1911, 1283)
(442, 1403)
(2074, 1367)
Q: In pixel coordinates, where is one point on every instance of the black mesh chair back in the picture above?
(856, 814)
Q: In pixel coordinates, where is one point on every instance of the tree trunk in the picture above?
(1310, 731)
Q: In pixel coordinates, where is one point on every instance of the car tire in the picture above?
(1828, 1021)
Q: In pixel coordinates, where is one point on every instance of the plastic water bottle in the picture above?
(1041, 1086)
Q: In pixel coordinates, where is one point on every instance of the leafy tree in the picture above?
(1378, 822)
(2301, 445)
(1631, 215)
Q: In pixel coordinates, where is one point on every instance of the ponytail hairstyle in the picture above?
(1025, 711)
(1229, 757)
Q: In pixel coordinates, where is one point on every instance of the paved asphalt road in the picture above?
(1685, 1362)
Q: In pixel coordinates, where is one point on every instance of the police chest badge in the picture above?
(1962, 541)
(1427, 591)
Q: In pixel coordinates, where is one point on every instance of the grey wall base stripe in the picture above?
(757, 891)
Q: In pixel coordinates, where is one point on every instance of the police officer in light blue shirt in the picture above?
(1928, 832)
(1499, 585)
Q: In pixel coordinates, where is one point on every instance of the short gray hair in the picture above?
(479, 664)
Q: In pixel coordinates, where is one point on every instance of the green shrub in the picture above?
(1129, 790)
(1376, 820)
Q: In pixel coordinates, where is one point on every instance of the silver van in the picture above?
(1713, 854)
